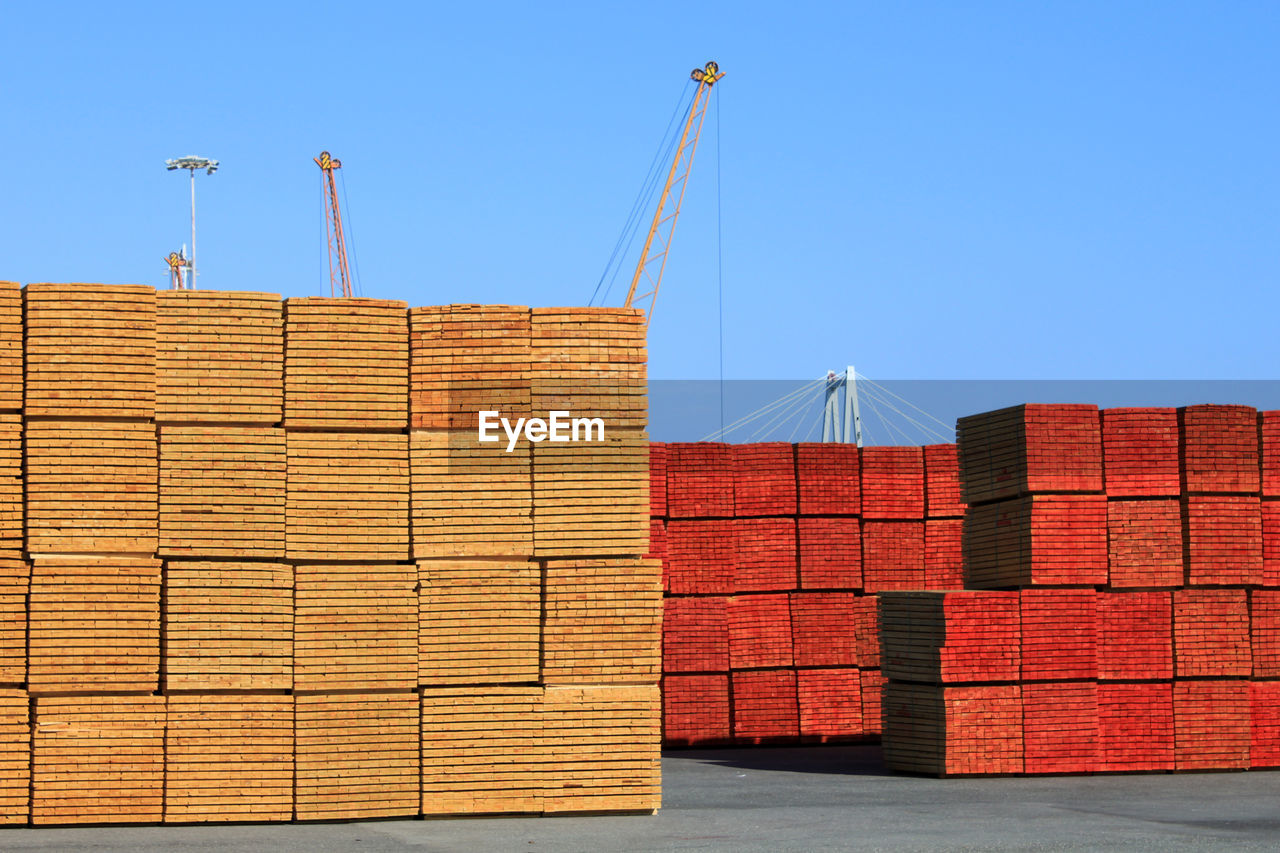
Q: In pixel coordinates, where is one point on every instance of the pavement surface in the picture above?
(804, 798)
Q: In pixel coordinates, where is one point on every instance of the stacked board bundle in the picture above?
(228, 625)
(465, 359)
(469, 499)
(602, 621)
(483, 752)
(479, 621)
(592, 499)
(590, 363)
(219, 357)
(91, 487)
(1161, 656)
(15, 755)
(277, 664)
(11, 345)
(764, 480)
(90, 351)
(94, 624)
(356, 755)
(355, 626)
(346, 363)
(603, 741)
(771, 570)
(97, 759)
(228, 757)
(360, 478)
(15, 584)
(222, 491)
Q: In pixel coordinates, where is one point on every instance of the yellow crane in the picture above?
(339, 273)
(653, 259)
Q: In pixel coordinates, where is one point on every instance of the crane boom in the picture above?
(653, 259)
(339, 278)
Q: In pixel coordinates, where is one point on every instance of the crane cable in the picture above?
(719, 258)
(644, 197)
(351, 233)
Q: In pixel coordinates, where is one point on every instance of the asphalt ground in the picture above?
(802, 798)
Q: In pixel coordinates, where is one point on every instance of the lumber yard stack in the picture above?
(1121, 601)
(773, 555)
(255, 564)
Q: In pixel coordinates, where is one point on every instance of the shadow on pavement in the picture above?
(854, 760)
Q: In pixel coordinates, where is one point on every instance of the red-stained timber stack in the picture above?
(771, 573)
(1162, 655)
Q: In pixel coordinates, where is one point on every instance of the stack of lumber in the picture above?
(695, 634)
(695, 709)
(228, 757)
(603, 741)
(893, 483)
(1060, 727)
(1264, 713)
(1163, 655)
(346, 363)
(94, 624)
(15, 755)
(820, 628)
(769, 564)
(828, 479)
(951, 637)
(591, 499)
(98, 759)
(11, 345)
(348, 496)
(15, 583)
(1211, 725)
(219, 357)
(1135, 726)
(90, 351)
(764, 480)
(1211, 633)
(953, 730)
(357, 755)
(469, 499)
(700, 480)
(602, 622)
(760, 631)
(765, 706)
(465, 359)
(830, 704)
(222, 491)
(228, 625)
(91, 487)
(12, 508)
(1030, 449)
(479, 621)
(483, 752)
(355, 627)
(590, 362)
(766, 554)
(701, 555)
(893, 555)
(1135, 635)
(830, 553)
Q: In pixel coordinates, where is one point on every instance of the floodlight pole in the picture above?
(191, 164)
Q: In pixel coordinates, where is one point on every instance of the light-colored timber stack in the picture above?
(539, 647)
(98, 759)
(220, 357)
(228, 625)
(228, 757)
(238, 583)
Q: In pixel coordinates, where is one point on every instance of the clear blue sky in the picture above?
(926, 190)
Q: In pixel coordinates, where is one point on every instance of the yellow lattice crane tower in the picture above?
(339, 272)
(653, 259)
